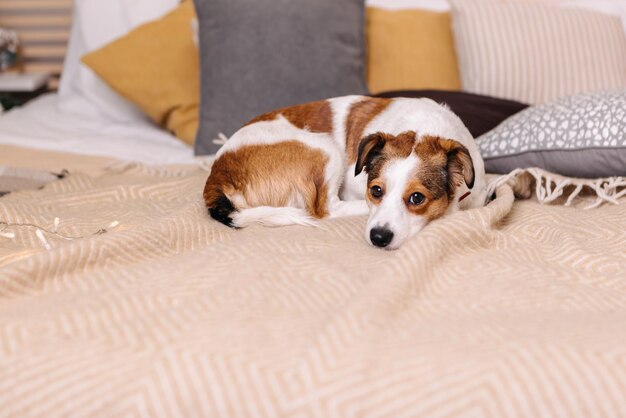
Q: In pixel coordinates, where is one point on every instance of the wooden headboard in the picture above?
(43, 27)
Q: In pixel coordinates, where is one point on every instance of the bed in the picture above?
(516, 309)
(41, 125)
(119, 296)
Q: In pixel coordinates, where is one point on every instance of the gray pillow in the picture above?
(579, 136)
(259, 55)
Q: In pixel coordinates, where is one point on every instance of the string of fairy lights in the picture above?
(42, 233)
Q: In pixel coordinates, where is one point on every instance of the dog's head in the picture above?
(409, 183)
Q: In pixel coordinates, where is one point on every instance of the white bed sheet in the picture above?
(40, 124)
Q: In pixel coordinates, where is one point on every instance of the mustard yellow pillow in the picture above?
(410, 50)
(156, 67)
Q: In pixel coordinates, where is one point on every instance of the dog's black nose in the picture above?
(381, 237)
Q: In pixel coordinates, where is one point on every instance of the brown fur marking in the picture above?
(454, 157)
(314, 116)
(433, 170)
(433, 206)
(360, 115)
(399, 146)
(271, 175)
(375, 182)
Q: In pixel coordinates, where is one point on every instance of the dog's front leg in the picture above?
(340, 208)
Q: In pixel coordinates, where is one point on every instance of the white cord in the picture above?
(41, 232)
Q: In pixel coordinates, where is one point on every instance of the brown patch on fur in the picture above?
(433, 171)
(400, 146)
(314, 116)
(375, 182)
(376, 149)
(270, 175)
(360, 115)
(444, 158)
(433, 207)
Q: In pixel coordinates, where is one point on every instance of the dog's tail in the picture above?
(222, 210)
(271, 216)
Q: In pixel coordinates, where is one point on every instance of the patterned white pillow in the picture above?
(534, 52)
(580, 136)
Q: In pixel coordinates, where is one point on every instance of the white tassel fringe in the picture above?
(549, 187)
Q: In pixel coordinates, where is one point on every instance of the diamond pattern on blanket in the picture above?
(511, 310)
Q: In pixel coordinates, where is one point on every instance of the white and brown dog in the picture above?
(404, 161)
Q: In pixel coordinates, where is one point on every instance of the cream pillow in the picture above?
(534, 52)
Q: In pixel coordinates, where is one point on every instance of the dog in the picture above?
(403, 161)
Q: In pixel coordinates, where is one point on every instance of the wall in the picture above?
(43, 27)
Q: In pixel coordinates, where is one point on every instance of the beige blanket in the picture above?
(513, 310)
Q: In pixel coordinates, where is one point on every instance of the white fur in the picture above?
(391, 213)
(273, 132)
(272, 216)
(340, 208)
(340, 108)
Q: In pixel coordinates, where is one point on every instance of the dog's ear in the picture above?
(460, 164)
(369, 148)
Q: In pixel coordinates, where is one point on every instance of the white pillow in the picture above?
(96, 23)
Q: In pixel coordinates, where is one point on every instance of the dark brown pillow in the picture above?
(479, 113)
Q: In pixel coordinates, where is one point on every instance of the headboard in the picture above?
(43, 27)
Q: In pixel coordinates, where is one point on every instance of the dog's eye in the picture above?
(416, 198)
(376, 191)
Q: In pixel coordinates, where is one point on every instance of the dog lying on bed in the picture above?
(404, 161)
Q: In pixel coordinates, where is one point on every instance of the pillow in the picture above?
(410, 49)
(479, 113)
(612, 7)
(156, 67)
(535, 52)
(271, 54)
(580, 136)
(434, 5)
(94, 24)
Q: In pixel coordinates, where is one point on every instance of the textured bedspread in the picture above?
(513, 310)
